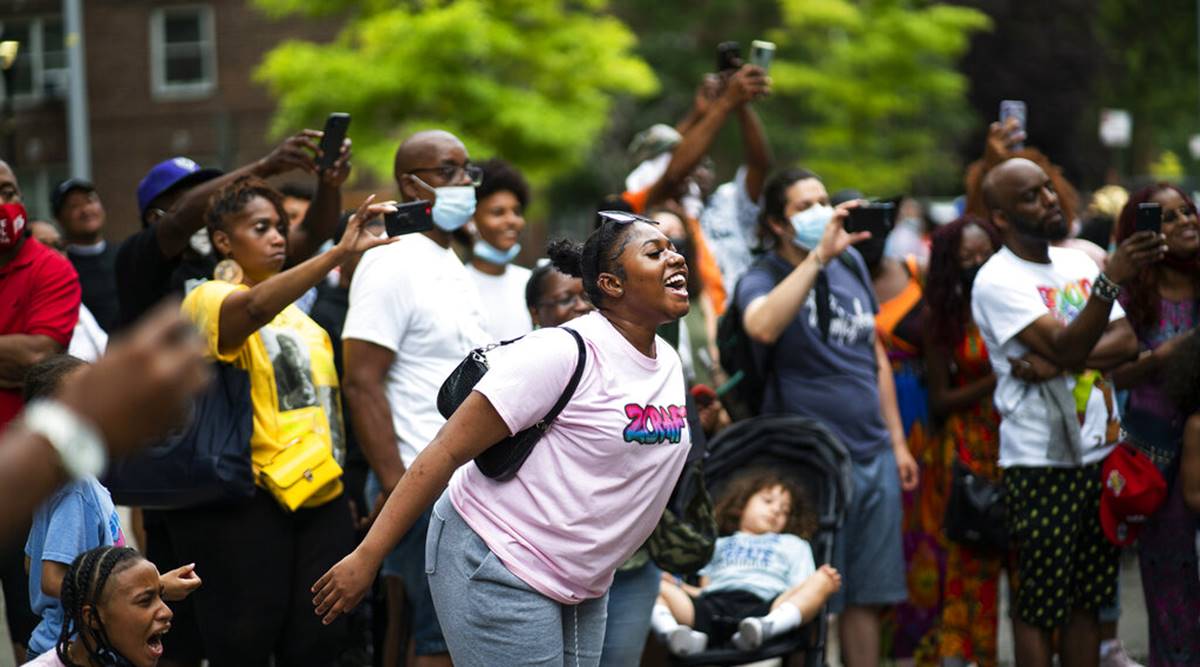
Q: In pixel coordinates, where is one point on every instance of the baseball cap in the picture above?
(65, 188)
(1132, 489)
(170, 174)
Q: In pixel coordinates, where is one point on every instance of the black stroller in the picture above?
(805, 450)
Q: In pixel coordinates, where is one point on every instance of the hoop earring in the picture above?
(228, 270)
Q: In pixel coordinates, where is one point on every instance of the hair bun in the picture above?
(567, 256)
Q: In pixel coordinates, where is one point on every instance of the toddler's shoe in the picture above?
(686, 641)
(751, 633)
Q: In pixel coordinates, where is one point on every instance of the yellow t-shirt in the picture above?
(293, 382)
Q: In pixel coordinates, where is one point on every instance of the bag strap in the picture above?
(572, 384)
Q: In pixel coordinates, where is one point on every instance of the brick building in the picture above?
(164, 77)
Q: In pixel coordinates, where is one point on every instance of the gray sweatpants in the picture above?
(490, 617)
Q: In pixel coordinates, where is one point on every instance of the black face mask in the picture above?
(968, 277)
(871, 250)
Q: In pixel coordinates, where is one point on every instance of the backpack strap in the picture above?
(778, 273)
(572, 384)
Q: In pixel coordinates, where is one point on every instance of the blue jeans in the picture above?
(867, 550)
(491, 617)
(630, 601)
(407, 561)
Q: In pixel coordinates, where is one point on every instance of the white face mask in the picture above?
(454, 206)
(201, 243)
(810, 225)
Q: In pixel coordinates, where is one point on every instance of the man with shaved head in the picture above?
(1050, 320)
(414, 315)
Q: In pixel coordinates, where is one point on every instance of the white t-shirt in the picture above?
(415, 298)
(47, 659)
(503, 299)
(595, 485)
(1009, 294)
(730, 224)
(766, 564)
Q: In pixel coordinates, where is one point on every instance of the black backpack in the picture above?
(742, 394)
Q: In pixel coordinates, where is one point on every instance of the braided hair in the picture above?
(84, 585)
(946, 297)
(597, 255)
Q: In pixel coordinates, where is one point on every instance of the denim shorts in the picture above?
(407, 561)
(867, 550)
(491, 617)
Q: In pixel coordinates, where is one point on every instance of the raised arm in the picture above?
(244, 312)
(748, 83)
(320, 221)
(186, 217)
(766, 317)
(757, 152)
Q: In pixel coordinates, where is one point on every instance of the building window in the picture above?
(183, 52)
(40, 70)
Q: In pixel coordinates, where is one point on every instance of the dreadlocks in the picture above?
(84, 585)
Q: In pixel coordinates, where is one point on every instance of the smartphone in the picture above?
(875, 217)
(1149, 218)
(761, 53)
(409, 218)
(331, 141)
(729, 56)
(1014, 109)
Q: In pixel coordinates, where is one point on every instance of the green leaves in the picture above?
(532, 80)
(876, 80)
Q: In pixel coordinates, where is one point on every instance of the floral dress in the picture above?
(967, 627)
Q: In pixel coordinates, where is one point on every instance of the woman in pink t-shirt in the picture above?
(519, 570)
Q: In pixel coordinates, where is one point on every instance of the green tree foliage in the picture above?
(874, 91)
(531, 80)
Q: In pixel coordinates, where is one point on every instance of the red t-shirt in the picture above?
(39, 295)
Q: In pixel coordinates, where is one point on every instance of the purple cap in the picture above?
(168, 175)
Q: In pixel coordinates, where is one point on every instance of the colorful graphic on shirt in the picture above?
(1066, 302)
(652, 425)
(293, 369)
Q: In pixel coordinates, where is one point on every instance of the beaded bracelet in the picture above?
(1104, 288)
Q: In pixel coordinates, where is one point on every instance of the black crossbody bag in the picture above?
(502, 460)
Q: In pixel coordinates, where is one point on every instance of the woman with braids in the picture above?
(114, 612)
(1163, 305)
(960, 396)
(253, 603)
(519, 570)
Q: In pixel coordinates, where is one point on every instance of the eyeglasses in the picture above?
(1182, 213)
(452, 173)
(564, 302)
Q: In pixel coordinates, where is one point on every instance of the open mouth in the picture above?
(155, 643)
(677, 284)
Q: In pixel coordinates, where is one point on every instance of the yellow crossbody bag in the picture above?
(304, 474)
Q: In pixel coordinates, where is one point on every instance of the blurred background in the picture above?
(886, 96)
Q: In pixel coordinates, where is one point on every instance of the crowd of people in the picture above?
(1000, 351)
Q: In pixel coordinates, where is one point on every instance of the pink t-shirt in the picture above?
(596, 484)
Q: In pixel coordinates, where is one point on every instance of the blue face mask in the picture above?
(810, 225)
(493, 255)
(453, 207)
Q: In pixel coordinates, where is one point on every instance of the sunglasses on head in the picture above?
(624, 218)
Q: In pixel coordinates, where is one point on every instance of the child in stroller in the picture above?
(761, 582)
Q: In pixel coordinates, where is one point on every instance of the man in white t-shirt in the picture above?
(1052, 327)
(414, 315)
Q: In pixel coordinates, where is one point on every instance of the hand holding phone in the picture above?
(1149, 218)
(409, 218)
(762, 53)
(1014, 109)
(874, 217)
(332, 139)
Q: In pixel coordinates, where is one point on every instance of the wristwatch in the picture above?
(78, 444)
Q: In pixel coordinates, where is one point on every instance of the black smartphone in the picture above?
(1149, 218)
(876, 217)
(729, 56)
(409, 218)
(331, 140)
